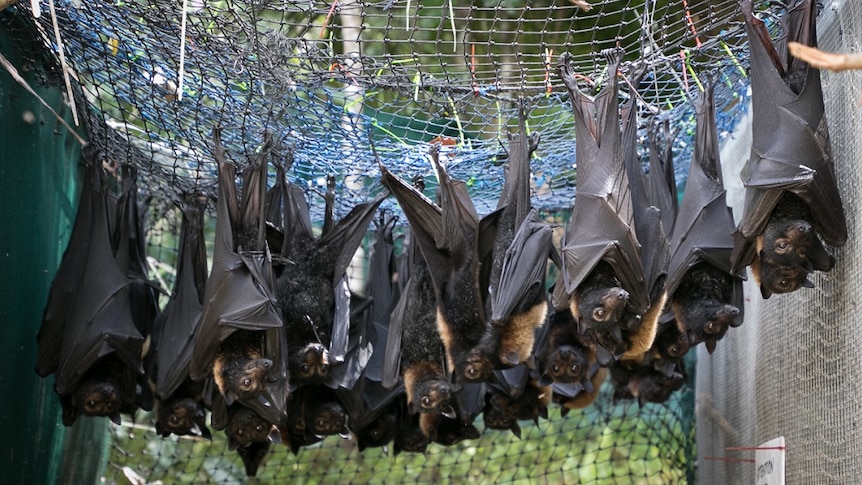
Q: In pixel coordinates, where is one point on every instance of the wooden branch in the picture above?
(825, 60)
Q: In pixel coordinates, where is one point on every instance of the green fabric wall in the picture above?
(39, 181)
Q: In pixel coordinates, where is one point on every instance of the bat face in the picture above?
(182, 416)
(567, 364)
(705, 320)
(379, 432)
(309, 365)
(246, 426)
(326, 418)
(669, 347)
(429, 396)
(252, 456)
(476, 366)
(602, 308)
(446, 431)
(94, 398)
(499, 415)
(240, 378)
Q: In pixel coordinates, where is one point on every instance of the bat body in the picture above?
(790, 154)
(240, 315)
(447, 235)
(381, 430)
(705, 292)
(423, 355)
(517, 303)
(94, 345)
(311, 285)
(603, 273)
(181, 408)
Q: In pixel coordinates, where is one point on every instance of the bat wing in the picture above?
(661, 183)
(176, 325)
(100, 322)
(524, 267)
(381, 288)
(66, 283)
(790, 141)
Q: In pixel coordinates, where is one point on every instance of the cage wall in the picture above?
(793, 368)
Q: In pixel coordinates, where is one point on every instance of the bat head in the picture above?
(446, 431)
(252, 456)
(566, 364)
(182, 416)
(789, 249)
(379, 432)
(94, 397)
(705, 320)
(647, 385)
(409, 437)
(498, 416)
(430, 396)
(669, 347)
(240, 377)
(476, 366)
(309, 365)
(600, 307)
(326, 418)
(246, 426)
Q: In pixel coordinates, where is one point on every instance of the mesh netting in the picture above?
(330, 79)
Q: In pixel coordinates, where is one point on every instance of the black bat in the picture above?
(99, 369)
(445, 430)
(643, 383)
(244, 426)
(448, 236)
(705, 293)
(517, 303)
(312, 288)
(240, 341)
(670, 346)
(180, 400)
(409, 436)
(314, 413)
(603, 274)
(792, 198)
(414, 344)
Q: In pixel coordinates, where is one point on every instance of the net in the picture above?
(152, 79)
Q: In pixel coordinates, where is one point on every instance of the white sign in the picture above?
(769, 462)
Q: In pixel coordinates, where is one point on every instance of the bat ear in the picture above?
(411, 407)
(603, 356)
(205, 432)
(274, 435)
(447, 411)
(710, 345)
(545, 380)
(159, 429)
(232, 443)
(516, 430)
(564, 411)
(587, 386)
(115, 418)
(229, 398)
(764, 292)
(806, 283)
(641, 401)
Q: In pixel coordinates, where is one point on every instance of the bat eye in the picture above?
(324, 367)
(321, 423)
(90, 404)
(240, 432)
(305, 368)
(710, 327)
(576, 369)
(426, 402)
(556, 369)
(673, 351)
(175, 419)
(246, 382)
(781, 246)
(599, 314)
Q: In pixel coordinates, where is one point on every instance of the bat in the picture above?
(240, 341)
(244, 427)
(447, 235)
(705, 292)
(312, 288)
(792, 199)
(413, 324)
(603, 275)
(518, 262)
(99, 369)
(670, 346)
(314, 413)
(445, 430)
(181, 408)
(381, 430)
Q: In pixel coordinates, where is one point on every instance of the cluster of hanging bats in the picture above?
(463, 321)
